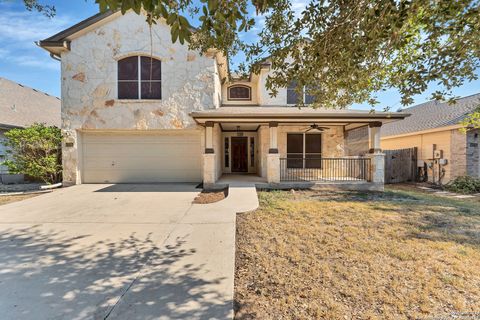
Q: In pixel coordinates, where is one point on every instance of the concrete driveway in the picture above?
(119, 252)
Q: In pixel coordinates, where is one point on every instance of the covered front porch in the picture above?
(298, 149)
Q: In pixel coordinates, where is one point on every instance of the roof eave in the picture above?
(201, 118)
(55, 47)
(201, 115)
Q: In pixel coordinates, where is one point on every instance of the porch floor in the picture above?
(232, 178)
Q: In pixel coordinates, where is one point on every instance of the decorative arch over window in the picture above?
(239, 92)
(139, 77)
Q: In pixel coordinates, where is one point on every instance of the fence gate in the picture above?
(400, 165)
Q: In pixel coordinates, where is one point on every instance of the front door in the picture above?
(239, 154)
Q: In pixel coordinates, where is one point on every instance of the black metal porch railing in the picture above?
(325, 169)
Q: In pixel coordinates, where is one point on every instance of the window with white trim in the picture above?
(139, 77)
(293, 96)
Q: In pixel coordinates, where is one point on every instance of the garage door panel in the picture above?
(137, 153)
(137, 158)
(139, 163)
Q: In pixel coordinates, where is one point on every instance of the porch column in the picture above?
(374, 137)
(209, 156)
(377, 158)
(273, 157)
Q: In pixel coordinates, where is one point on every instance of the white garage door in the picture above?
(141, 158)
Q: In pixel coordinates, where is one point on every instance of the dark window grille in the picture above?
(139, 77)
(293, 97)
(239, 92)
(304, 150)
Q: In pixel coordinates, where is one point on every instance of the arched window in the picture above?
(239, 92)
(139, 77)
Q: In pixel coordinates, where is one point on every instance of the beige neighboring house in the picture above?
(179, 116)
(433, 128)
(20, 107)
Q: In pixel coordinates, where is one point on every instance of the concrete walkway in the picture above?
(120, 252)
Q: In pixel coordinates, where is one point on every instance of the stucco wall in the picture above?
(264, 97)
(89, 86)
(254, 93)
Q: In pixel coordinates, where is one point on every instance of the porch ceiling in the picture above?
(293, 115)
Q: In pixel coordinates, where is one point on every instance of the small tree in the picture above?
(35, 151)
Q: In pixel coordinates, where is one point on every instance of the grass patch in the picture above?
(10, 199)
(401, 254)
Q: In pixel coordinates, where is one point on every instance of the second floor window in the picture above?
(239, 92)
(139, 77)
(293, 96)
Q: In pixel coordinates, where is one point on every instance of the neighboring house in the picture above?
(433, 128)
(180, 117)
(20, 107)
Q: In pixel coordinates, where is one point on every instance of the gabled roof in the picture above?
(432, 115)
(61, 40)
(63, 35)
(21, 106)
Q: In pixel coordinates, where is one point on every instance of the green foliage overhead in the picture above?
(342, 51)
(35, 151)
(35, 5)
(472, 121)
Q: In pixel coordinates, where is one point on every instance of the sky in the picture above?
(23, 62)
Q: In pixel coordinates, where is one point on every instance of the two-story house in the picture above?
(140, 109)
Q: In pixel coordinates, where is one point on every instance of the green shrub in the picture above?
(464, 184)
(35, 151)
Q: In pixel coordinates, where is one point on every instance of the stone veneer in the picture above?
(190, 82)
(473, 153)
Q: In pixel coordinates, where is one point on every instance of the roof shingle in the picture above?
(432, 115)
(21, 106)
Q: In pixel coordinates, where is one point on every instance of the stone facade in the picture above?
(190, 82)
(356, 142)
(457, 157)
(473, 153)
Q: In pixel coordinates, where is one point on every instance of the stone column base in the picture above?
(209, 169)
(273, 168)
(377, 165)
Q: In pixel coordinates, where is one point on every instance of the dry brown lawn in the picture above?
(10, 199)
(342, 255)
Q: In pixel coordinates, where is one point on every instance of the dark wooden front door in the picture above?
(239, 154)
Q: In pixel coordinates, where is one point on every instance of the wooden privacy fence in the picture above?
(400, 165)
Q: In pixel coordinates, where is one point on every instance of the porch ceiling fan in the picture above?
(316, 127)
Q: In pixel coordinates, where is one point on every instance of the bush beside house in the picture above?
(35, 151)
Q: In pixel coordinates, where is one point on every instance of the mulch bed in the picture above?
(206, 197)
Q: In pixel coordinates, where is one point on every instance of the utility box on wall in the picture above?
(438, 154)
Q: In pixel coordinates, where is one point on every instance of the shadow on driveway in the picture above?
(45, 274)
(158, 187)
